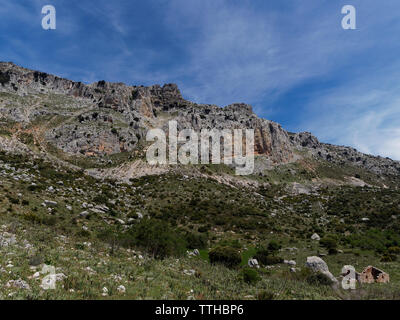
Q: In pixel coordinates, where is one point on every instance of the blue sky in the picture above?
(290, 59)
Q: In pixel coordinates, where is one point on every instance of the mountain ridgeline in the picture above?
(106, 119)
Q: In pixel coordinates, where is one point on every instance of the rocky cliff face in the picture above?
(342, 155)
(110, 118)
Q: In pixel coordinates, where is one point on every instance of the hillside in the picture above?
(77, 193)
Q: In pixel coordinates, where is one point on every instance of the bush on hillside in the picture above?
(319, 279)
(158, 238)
(227, 256)
(250, 276)
(196, 240)
(273, 247)
(265, 257)
(329, 243)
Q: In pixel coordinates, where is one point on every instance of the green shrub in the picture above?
(35, 260)
(388, 257)
(100, 199)
(203, 229)
(274, 246)
(329, 243)
(13, 200)
(230, 243)
(32, 217)
(265, 295)
(158, 238)
(272, 260)
(319, 279)
(79, 246)
(227, 256)
(49, 221)
(264, 257)
(250, 276)
(114, 238)
(33, 188)
(332, 251)
(83, 233)
(26, 138)
(394, 250)
(374, 239)
(196, 240)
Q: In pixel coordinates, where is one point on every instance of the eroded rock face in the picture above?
(108, 118)
(135, 110)
(341, 155)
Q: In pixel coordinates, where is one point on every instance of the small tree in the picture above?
(250, 276)
(329, 243)
(158, 238)
(273, 247)
(227, 256)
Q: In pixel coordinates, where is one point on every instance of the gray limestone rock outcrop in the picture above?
(105, 118)
(114, 117)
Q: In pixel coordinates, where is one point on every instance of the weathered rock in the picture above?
(139, 215)
(84, 214)
(121, 289)
(315, 237)
(102, 208)
(194, 253)
(120, 221)
(60, 276)
(20, 284)
(253, 263)
(289, 262)
(94, 131)
(316, 264)
(50, 203)
(189, 272)
(7, 239)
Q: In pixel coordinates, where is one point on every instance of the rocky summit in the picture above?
(79, 200)
(112, 118)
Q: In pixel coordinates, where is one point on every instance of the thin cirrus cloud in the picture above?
(362, 115)
(290, 59)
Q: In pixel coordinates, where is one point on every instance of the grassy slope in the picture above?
(226, 213)
(244, 217)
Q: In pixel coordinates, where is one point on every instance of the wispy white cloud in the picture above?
(244, 53)
(225, 51)
(362, 114)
